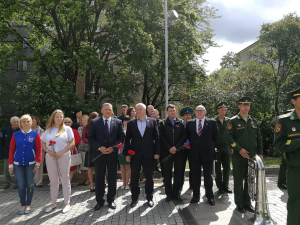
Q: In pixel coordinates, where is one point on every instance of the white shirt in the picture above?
(108, 122)
(197, 124)
(62, 140)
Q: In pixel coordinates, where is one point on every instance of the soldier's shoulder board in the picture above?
(233, 117)
(285, 115)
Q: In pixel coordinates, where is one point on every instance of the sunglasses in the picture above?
(67, 122)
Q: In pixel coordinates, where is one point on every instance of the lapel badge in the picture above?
(177, 125)
(206, 123)
(147, 120)
(112, 122)
(293, 128)
(239, 125)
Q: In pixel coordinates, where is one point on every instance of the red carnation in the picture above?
(52, 142)
(120, 145)
(130, 152)
(189, 147)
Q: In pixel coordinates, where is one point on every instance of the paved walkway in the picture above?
(83, 201)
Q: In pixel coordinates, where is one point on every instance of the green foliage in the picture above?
(46, 96)
(279, 48)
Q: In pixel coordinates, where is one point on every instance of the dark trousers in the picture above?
(222, 179)
(135, 165)
(175, 160)
(184, 160)
(293, 203)
(282, 172)
(240, 178)
(196, 176)
(100, 171)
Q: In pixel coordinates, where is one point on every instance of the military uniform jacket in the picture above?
(287, 137)
(242, 135)
(222, 143)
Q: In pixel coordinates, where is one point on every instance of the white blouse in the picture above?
(62, 140)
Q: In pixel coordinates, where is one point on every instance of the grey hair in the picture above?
(201, 106)
(141, 104)
(105, 104)
(14, 118)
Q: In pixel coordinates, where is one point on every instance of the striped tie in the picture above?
(199, 128)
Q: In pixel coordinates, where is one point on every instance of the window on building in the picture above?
(22, 66)
(24, 43)
(94, 89)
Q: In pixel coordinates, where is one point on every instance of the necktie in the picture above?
(106, 128)
(199, 128)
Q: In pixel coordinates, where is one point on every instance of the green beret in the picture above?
(294, 93)
(222, 105)
(245, 100)
(186, 110)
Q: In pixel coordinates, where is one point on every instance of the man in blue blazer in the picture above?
(202, 134)
(105, 134)
(142, 138)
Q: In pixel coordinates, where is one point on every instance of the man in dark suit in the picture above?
(172, 135)
(7, 134)
(142, 138)
(202, 134)
(105, 133)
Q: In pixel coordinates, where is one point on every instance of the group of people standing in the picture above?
(138, 138)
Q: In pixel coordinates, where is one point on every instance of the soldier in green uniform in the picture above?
(281, 182)
(287, 140)
(186, 114)
(245, 139)
(223, 150)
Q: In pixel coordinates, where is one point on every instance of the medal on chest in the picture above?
(294, 129)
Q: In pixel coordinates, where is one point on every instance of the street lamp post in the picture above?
(173, 16)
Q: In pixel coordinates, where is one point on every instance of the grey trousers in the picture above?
(7, 177)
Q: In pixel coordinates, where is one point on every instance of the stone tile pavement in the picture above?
(83, 201)
(224, 211)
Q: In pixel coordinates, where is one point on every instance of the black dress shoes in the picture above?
(178, 198)
(112, 205)
(228, 190)
(282, 186)
(195, 200)
(133, 204)
(240, 208)
(211, 201)
(249, 208)
(168, 199)
(98, 206)
(150, 203)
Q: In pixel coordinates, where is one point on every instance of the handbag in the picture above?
(76, 158)
(84, 147)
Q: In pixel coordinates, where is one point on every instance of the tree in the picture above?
(188, 39)
(279, 47)
(230, 60)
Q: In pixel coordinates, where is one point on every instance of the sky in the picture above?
(240, 24)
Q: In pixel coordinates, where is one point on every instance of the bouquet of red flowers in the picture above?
(183, 147)
(130, 152)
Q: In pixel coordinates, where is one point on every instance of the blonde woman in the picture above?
(83, 170)
(58, 157)
(25, 155)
